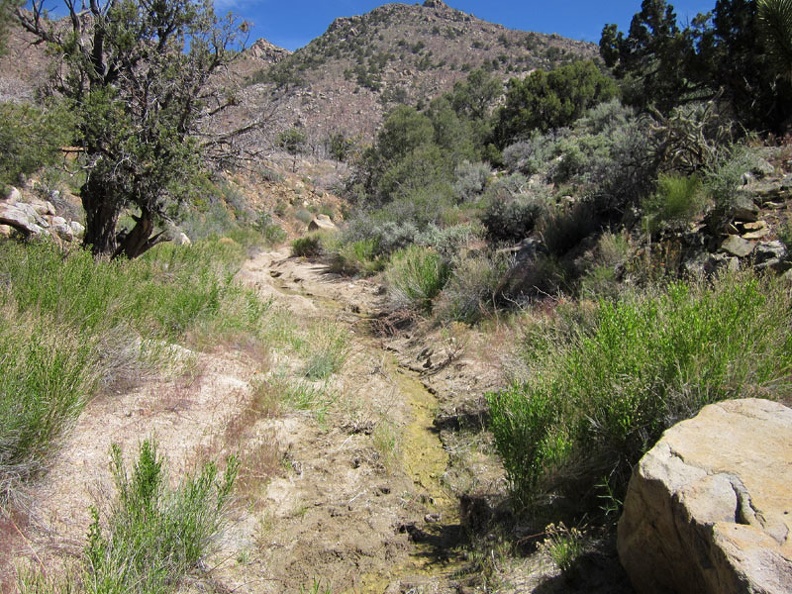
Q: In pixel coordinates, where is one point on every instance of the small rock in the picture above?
(182, 239)
(55, 221)
(755, 226)
(737, 246)
(759, 234)
(769, 250)
(6, 231)
(762, 169)
(77, 229)
(43, 207)
(63, 231)
(744, 209)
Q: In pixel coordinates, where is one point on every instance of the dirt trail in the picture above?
(354, 500)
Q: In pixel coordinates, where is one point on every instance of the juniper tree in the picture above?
(138, 75)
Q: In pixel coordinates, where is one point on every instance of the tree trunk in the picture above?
(140, 239)
(101, 218)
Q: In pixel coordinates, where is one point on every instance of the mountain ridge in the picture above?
(343, 81)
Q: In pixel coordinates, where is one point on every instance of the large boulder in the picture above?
(322, 223)
(709, 508)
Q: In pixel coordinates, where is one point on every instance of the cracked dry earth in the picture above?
(362, 498)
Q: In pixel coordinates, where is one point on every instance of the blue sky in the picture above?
(293, 23)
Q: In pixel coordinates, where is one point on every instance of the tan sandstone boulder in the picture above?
(322, 223)
(709, 508)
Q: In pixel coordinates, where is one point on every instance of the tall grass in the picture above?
(70, 324)
(47, 374)
(604, 387)
(415, 276)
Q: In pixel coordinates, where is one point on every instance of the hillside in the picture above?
(344, 80)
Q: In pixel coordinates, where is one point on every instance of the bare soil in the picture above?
(394, 489)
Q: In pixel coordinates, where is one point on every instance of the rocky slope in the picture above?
(343, 81)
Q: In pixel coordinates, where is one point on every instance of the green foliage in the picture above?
(415, 276)
(7, 8)
(151, 536)
(70, 325)
(775, 18)
(655, 52)
(137, 113)
(510, 219)
(602, 388)
(31, 137)
(677, 200)
(329, 347)
(563, 545)
(358, 257)
(719, 55)
(292, 140)
(309, 246)
(48, 372)
(470, 293)
(471, 180)
(549, 100)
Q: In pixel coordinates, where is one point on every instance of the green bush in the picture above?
(151, 536)
(676, 202)
(470, 293)
(48, 372)
(471, 180)
(357, 257)
(550, 100)
(415, 276)
(309, 246)
(600, 393)
(508, 219)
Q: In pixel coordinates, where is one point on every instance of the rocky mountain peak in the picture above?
(435, 4)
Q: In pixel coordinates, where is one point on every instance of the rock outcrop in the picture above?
(35, 218)
(709, 508)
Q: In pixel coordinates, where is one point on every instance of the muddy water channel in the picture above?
(367, 509)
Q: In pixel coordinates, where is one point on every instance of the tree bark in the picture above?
(140, 239)
(101, 219)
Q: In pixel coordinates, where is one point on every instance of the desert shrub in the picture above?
(529, 156)
(599, 394)
(151, 536)
(677, 200)
(415, 276)
(723, 180)
(563, 228)
(469, 294)
(601, 276)
(448, 241)
(309, 246)
(382, 236)
(423, 167)
(470, 180)
(509, 219)
(357, 257)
